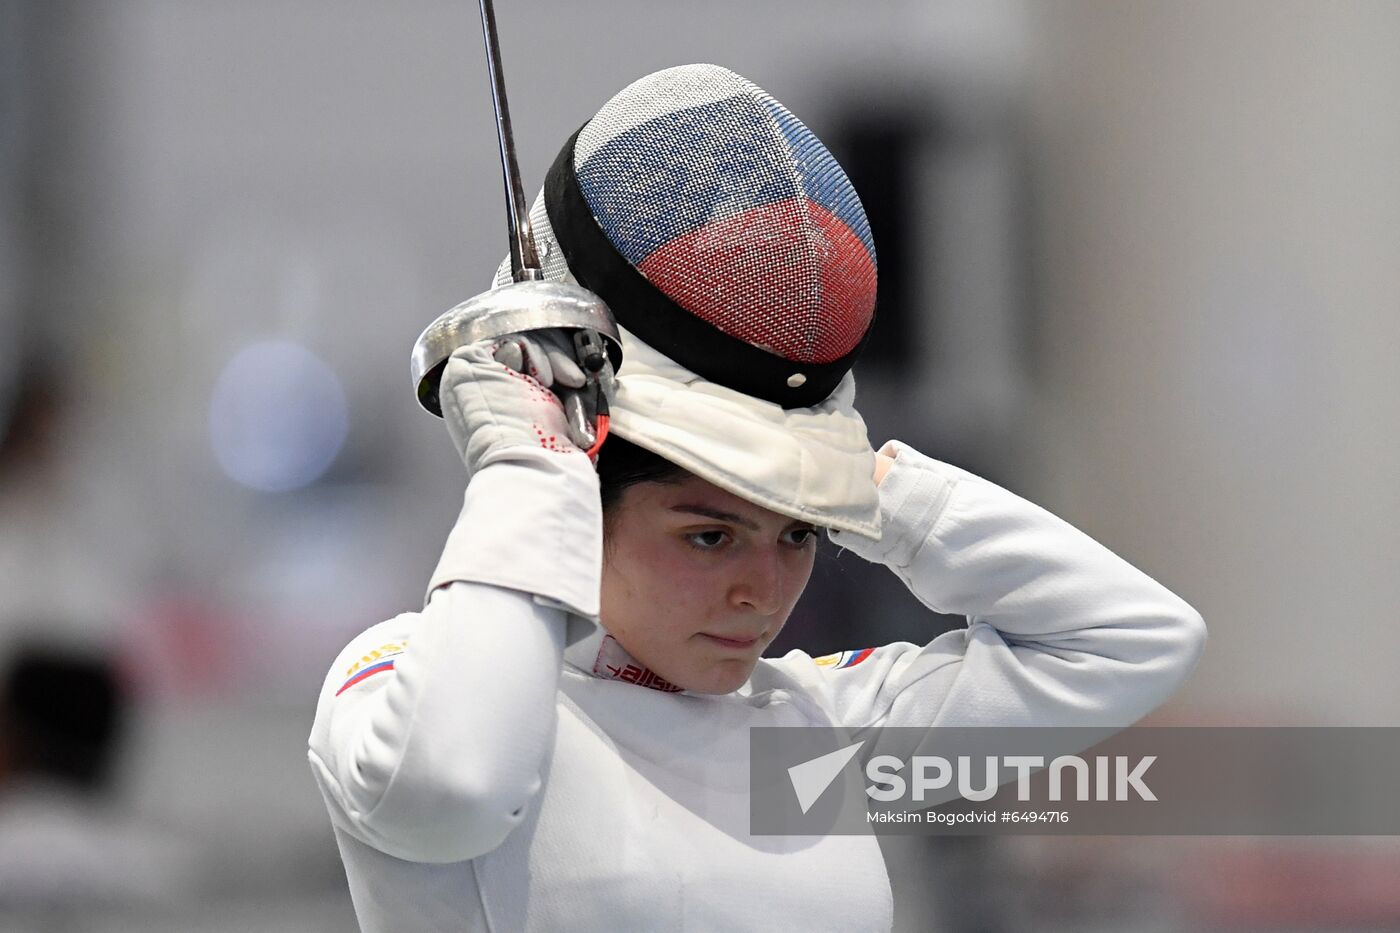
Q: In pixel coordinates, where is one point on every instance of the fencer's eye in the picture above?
(707, 540)
(800, 537)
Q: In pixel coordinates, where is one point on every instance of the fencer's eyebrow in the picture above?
(717, 515)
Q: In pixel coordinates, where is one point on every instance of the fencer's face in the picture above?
(697, 582)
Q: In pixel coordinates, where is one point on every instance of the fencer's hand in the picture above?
(545, 355)
(496, 396)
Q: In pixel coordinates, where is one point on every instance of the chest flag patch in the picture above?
(843, 658)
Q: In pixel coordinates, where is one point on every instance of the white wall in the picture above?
(1218, 272)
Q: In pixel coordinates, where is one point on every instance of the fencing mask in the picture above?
(737, 260)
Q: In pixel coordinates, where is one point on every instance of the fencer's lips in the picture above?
(740, 643)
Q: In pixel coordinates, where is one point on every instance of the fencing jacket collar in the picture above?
(600, 655)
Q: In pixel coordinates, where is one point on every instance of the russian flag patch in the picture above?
(843, 658)
(377, 661)
(365, 672)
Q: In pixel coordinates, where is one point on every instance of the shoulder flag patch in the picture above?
(365, 672)
(843, 658)
(374, 662)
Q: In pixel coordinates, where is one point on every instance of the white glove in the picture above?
(545, 355)
(496, 396)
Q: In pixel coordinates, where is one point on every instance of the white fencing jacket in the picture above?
(481, 775)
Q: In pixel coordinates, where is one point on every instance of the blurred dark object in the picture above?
(878, 151)
(29, 430)
(71, 845)
(63, 716)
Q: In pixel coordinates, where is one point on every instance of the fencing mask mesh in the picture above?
(719, 230)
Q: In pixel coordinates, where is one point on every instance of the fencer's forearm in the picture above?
(1080, 622)
(533, 523)
(966, 545)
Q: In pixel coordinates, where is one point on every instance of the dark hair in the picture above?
(622, 464)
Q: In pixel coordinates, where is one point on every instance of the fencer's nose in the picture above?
(760, 586)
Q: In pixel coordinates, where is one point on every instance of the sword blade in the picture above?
(524, 259)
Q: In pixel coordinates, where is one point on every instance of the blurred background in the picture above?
(1139, 263)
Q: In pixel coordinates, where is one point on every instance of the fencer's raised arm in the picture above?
(1061, 631)
(432, 728)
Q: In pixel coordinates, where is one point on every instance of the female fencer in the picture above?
(559, 739)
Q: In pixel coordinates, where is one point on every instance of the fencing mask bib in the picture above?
(738, 263)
